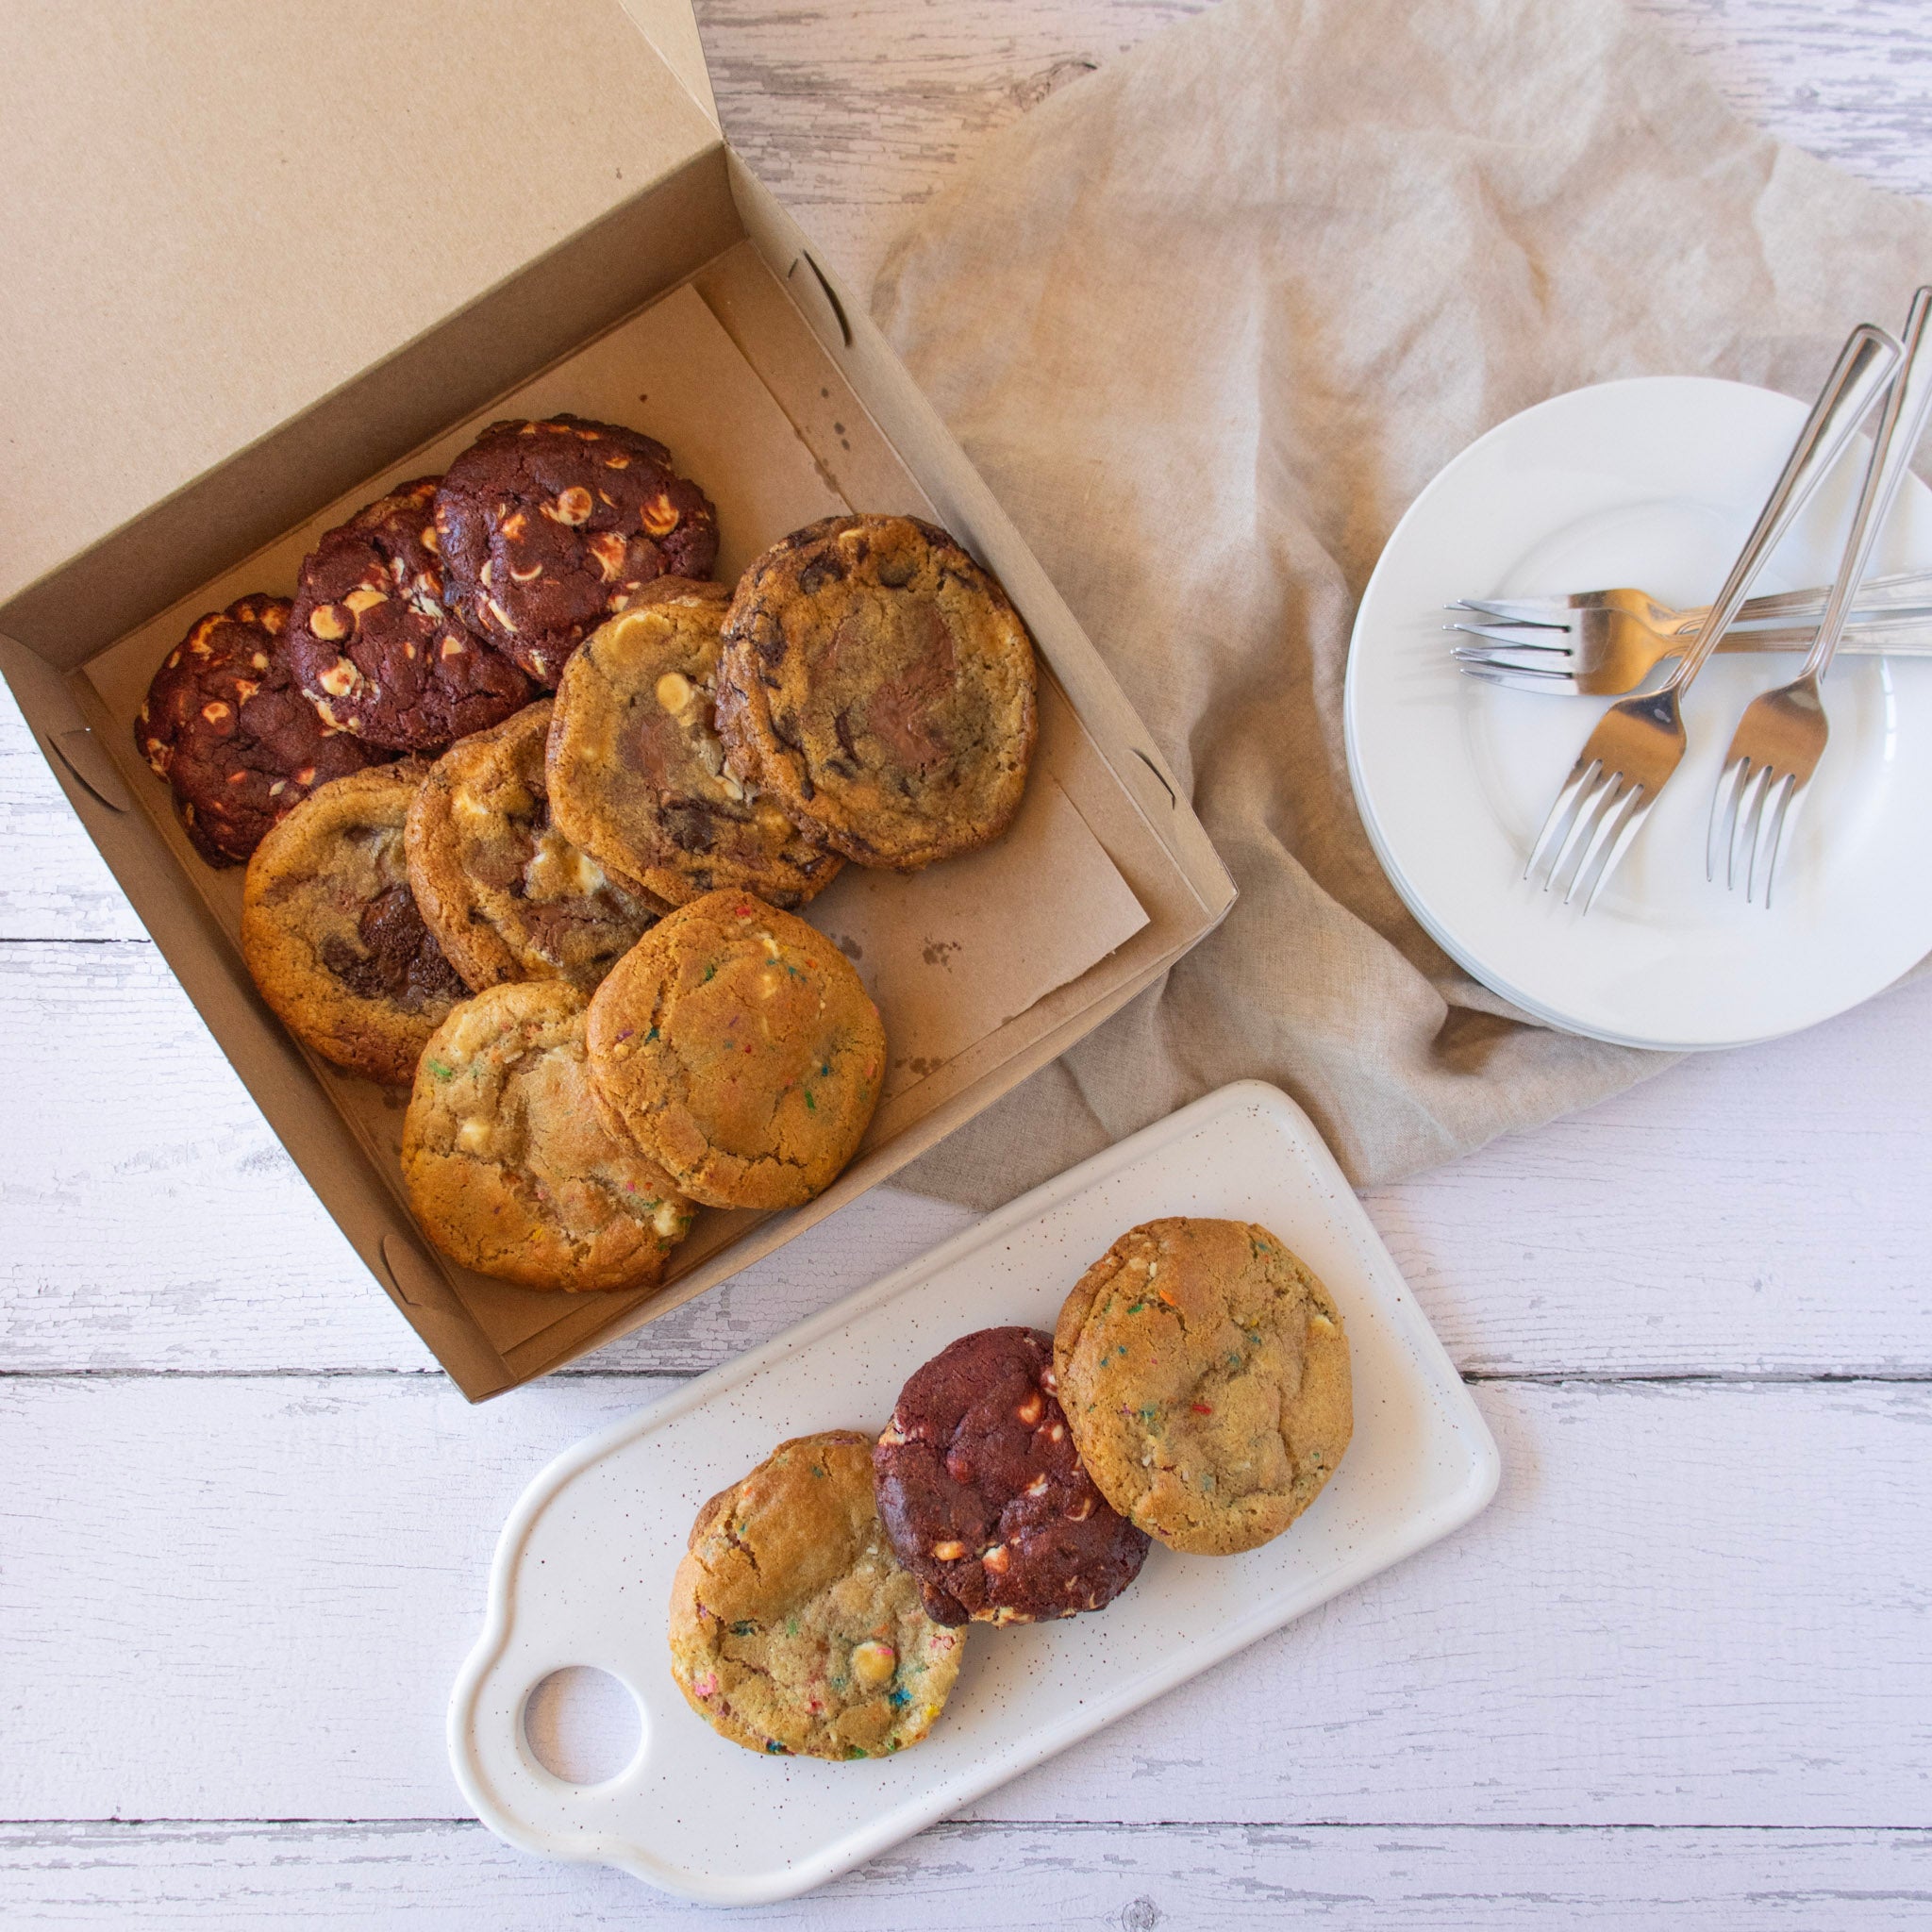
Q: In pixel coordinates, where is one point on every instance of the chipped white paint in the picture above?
(243, 1531)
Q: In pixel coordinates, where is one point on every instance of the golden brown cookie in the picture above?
(330, 931)
(879, 685)
(737, 1047)
(794, 1628)
(506, 894)
(509, 1167)
(636, 770)
(1205, 1375)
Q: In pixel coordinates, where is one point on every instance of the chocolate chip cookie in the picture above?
(509, 1167)
(637, 772)
(547, 528)
(880, 686)
(225, 724)
(330, 931)
(982, 1491)
(794, 1628)
(1206, 1378)
(737, 1047)
(374, 648)
(505, 893)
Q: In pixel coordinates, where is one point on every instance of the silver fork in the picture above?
(1782, 734)
(1607, 656)
(1877, 597)
(1638, 743)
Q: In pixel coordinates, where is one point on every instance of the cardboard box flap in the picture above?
(671, 27)
(219, 214)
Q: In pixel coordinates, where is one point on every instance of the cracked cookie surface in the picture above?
(509, 1166)
(637, 770)
(880, 684)
(1204, 1374)
(374, 649)
(982, 1491)
(737, 1047)
(331, 933)
(225, 724)
(547, 528)
(506, 894)
(795, 1630)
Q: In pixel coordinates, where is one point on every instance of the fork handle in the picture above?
(1879, 597)
(1900, 425)
(1864, 366)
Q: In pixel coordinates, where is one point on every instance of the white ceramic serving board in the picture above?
(584, 1567)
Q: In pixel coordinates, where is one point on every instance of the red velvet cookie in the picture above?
(372, 643)
(548, 528)
(984, 1495)
(225, 724)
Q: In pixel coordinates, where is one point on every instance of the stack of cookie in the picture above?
(1196, 1390)
(565, 919)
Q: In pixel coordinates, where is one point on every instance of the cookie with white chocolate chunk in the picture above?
(738, 1047)
(636, 773)
(1205, 1376)
(376, 652)
(793, 1628)
(509, 1167)
(548, 528)
(506, 894)
(982, 1494)
(226, 725)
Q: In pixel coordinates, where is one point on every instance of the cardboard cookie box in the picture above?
(277, 258)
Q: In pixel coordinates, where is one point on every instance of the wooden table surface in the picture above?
(1680, 1671)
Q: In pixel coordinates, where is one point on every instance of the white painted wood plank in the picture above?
(454, 1877)
(1767, 1212)
(236, 1598)
(856, 113)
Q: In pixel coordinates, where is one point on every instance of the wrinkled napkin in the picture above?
(1207, 321)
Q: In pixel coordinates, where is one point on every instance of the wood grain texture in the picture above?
(245, 1529)
(439, 1876)
(249, 1598)
(1761, 1213)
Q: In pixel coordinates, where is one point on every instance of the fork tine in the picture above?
(1625, 837)
(1534, 658)
(1724, 810)
(1744, 826)
(1517, 636)
(1617, 805)
(1567, 801)
(1539, 610)
(1787, 817)
(1769, 830)
(1545, 683)
(1589, 816)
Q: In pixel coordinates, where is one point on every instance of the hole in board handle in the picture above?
(829, 292)
(92, 769)
(1158, 774)
(582, 1724)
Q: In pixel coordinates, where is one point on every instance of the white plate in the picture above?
(1653, 483)
(583, 1570)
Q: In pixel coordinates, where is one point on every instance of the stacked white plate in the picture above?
(1654, 484)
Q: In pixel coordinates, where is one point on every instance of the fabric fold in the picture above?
(1208, 320)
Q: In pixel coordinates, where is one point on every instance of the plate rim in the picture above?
(1539, 1010)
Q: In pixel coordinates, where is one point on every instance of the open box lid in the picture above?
(219, 215)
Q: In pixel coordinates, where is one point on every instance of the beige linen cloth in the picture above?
(1207, 321)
